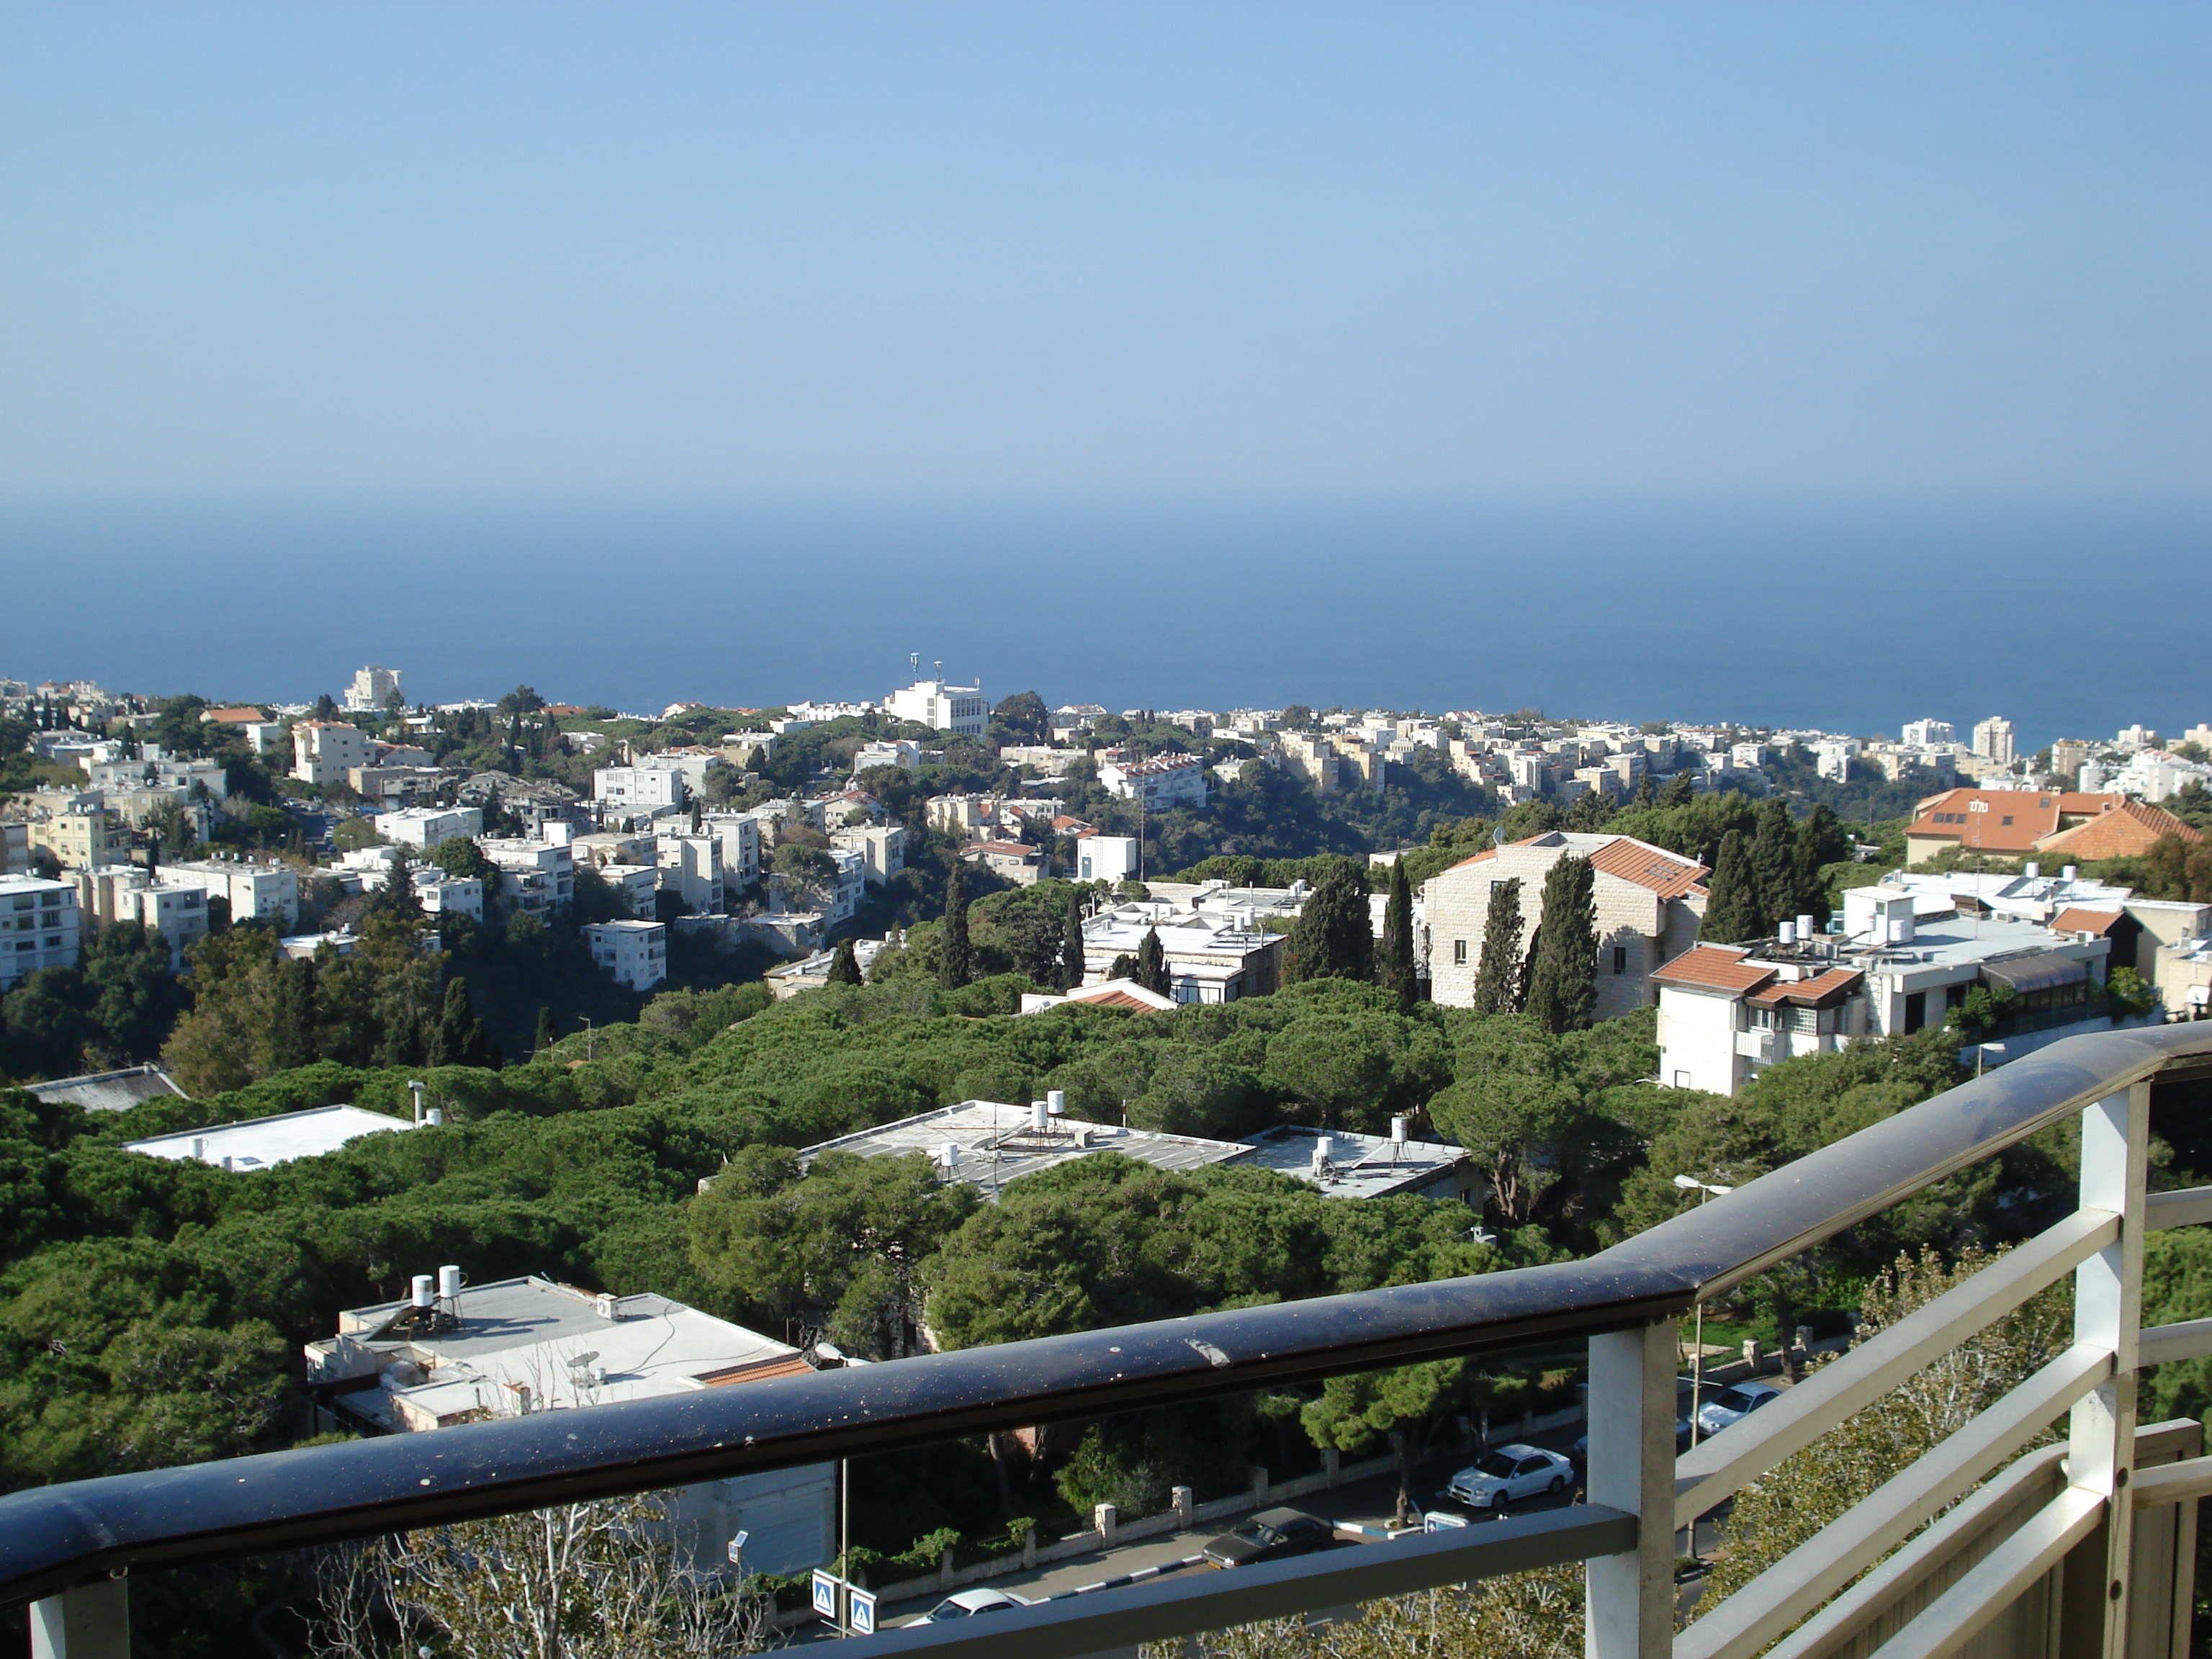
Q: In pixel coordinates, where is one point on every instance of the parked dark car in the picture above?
(1269, 1536)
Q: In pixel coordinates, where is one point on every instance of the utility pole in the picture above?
(1704, 1190)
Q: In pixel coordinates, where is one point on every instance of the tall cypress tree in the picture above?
(457, 1037)
(1819, 842)
(1647, 792)
(548, 1033)
(1774, 867)
(1394, 969)
(1679, 792)
(1152, 965)
(955, 964)
(292, 1015)
(1563, 978)
(1497, 975)
(844, 966)
(1732, 905)
(1332, 938)
(1071, 964)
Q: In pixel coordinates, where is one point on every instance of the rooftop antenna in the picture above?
(913, 660)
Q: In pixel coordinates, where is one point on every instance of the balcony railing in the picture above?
(2085, 1547)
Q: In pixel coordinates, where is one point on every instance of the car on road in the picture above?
(1733, 1404)
(1269, 1536)
(1505, 1473)
(966, 1604)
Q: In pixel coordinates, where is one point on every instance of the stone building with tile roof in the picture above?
(1650, 903)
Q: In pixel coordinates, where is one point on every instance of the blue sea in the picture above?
(2071, 620)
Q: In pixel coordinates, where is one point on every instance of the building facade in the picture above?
(1649, 905)
(40, 926)
(635, 953)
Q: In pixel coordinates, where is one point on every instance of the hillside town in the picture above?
(188, 818)
(1479, 989)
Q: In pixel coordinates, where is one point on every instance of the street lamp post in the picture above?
(1704, 1189)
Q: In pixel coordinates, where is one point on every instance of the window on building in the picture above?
(1458, 953)
(1619, 958)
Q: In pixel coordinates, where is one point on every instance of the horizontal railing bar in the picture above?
(2161, 1345)
(1169, 1607)
(1769, 1220)
(2172, 1483)
(1844, 1619)
(1715, 1468)
(1995, 1582)
(1765, 1607)
(2190, 1206)
(52, 1537)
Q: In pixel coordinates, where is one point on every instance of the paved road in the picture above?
(1371, 1503)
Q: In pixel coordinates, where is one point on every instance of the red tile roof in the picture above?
(1715, 968)
(1830, 985)
(2009, 821)
(2129, 829)
(1477, 858)
(1668, 874)
(2078, 918)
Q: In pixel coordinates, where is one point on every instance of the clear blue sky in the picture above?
(992, 250)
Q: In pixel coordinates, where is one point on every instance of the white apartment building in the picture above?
(173, 909)
(740, 835)
(40, 926)
(640, 788)
(255, 892)
(691, 867)
(907, 756)
(636, 888)
(1920, 734)
(1995, 740)
(1163, 782)
(440, 894)
(552, 863)
(943, 707)
(425, 827)
(851, 887)
(881, 848)
(182, 776)
(458, 1352)
(372, 689)
(1105, 858)
(324, 751)
(635, 952)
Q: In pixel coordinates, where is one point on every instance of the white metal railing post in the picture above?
(2108, 1312)
(92, 1621)
(1629, 1611)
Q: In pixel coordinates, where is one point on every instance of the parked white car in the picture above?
(966, 1604)
(1732, 1405)
(1505, 1473)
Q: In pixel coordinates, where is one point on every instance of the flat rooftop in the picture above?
(110, 1092)
(996, 1144)
(1359, 1166)
(553, 1340)
(259, 1143)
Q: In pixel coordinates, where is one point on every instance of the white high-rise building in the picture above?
(371, 688)
(1919, 734)
(942, 707)
(1994, 740)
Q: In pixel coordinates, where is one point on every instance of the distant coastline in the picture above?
(2068, 619)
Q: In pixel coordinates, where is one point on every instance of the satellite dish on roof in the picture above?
(577, 1362)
